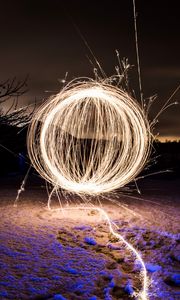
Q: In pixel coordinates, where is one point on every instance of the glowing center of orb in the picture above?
(91, 138)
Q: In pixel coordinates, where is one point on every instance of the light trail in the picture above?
(137, 52)
(143, 294)
(91, 138)
(22, 187)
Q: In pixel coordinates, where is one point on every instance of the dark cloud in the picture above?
(40, 38)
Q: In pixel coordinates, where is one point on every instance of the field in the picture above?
(70, 254)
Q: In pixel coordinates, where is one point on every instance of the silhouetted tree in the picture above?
(12, 88)
(13, 124)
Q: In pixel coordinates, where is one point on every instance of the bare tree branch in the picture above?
(13, 116)
(12, 88)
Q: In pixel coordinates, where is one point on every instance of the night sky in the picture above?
(40, 38)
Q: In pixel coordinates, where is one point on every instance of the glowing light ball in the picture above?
(91, 138)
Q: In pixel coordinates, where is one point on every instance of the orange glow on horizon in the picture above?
(168, 138)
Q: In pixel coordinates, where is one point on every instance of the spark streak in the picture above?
(143, 293)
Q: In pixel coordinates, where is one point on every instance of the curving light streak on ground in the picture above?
(91, 138)
(143, 293)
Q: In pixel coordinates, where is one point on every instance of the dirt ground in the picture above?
(71, 254)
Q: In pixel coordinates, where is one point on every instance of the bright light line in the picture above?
(143, 293)
(91, 138)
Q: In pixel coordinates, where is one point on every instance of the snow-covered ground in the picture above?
(71, 255)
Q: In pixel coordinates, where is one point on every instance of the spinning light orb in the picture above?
(91, 138)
